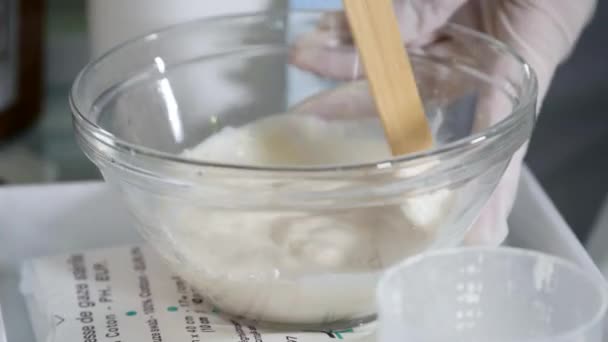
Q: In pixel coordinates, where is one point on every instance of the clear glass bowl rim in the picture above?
(490, 135)
(593, 278)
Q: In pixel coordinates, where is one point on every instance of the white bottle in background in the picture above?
(112, 22)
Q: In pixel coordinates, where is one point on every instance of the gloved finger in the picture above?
(322, 52)
(494, 106)
(491, 227)
(418, 20)
(350, 101)
(329, 50)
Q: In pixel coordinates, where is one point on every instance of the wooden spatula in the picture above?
(376, 33)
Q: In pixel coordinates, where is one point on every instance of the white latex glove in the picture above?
(542, 31)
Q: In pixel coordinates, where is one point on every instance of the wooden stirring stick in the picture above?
(376, 32)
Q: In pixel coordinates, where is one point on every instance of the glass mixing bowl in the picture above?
(294, 245)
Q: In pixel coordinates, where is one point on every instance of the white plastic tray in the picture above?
(45, 220)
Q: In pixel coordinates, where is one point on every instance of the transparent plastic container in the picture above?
(485, 294)
(299, 246)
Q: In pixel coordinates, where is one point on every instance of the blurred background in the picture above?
(568, 153)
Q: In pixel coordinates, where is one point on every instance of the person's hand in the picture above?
(542, 31)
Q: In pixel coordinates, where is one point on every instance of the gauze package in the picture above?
(127, 294)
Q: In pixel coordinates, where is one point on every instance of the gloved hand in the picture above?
(542, 31)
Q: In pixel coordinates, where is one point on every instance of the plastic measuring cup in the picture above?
(490, 294)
